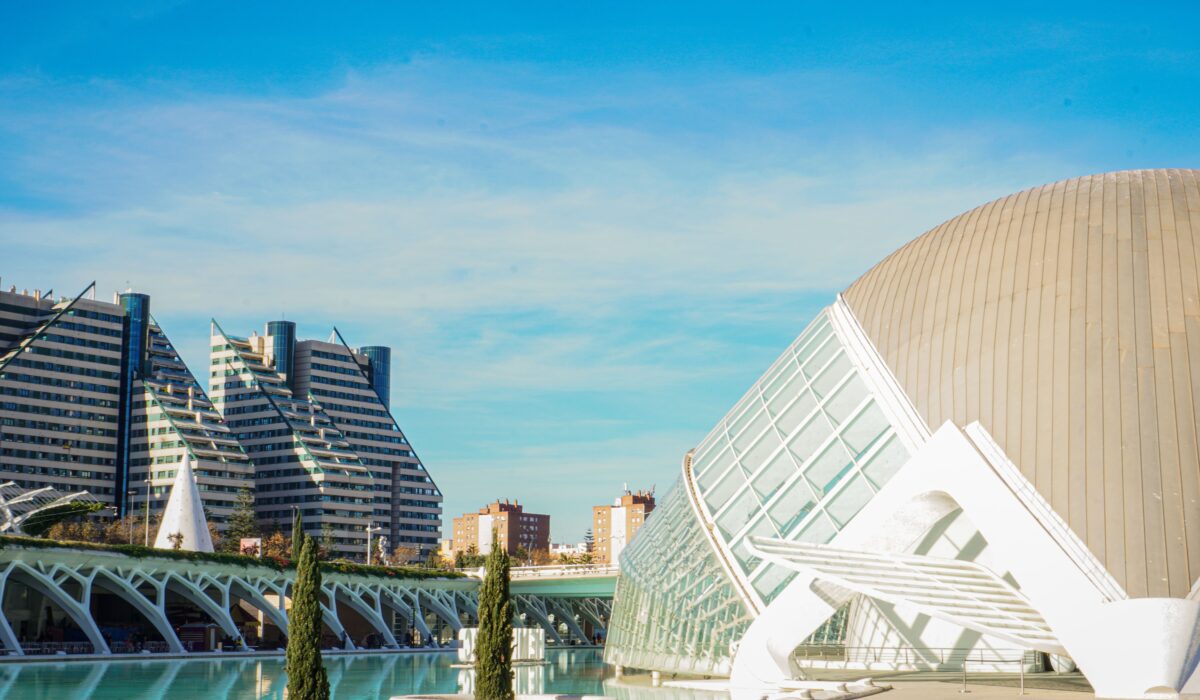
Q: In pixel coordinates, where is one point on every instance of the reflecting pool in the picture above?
(354, 677)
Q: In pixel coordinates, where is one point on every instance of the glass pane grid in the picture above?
(822, 487)
(676, 609)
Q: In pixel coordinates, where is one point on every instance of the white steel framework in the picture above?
(823, 487)
(381, 605)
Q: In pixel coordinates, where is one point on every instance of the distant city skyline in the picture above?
(583, 231)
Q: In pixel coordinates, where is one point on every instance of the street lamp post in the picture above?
(147, 511)
(131, 493)
(369, 531)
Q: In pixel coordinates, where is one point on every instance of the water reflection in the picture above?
(359, 677)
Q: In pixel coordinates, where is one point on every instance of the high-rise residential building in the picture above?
(171, 417)
(614, 526)
(314, 419)
(515, 529)
(93, 397)
(354, 387)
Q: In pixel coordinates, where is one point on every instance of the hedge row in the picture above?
(137, 551)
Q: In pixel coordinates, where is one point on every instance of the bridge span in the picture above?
(96, 601)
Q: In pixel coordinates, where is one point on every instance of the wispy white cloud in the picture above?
(517, 235)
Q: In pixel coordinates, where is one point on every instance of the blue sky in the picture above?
(585, 229)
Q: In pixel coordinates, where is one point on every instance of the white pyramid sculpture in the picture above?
(184, 514)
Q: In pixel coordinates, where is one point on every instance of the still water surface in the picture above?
(358, 677)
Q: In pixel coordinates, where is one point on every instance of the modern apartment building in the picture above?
(93, 397)
(314, 419)
(614, 526)
(354, 387)
(515, 529)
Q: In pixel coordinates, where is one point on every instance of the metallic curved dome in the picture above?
(1066, 320)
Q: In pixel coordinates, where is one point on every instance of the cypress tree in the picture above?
(493, 646)
(297, 532)
(306, 675)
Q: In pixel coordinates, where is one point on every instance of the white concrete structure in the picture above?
(529, 644)
(72, 578)
(568, 550)
(83, 586)
(987, 447)
(184, 516)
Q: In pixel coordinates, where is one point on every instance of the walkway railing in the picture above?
(947, 658)
(55, 648)
(563, 571)
(552, 571)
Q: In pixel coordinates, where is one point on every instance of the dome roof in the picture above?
(1066, 320)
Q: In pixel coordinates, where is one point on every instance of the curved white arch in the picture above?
(328, 603)
(1126, 647)
(243, 590)
(216, 613)
(50, 589)
(153, 612)
(441, 610)
(368, 613)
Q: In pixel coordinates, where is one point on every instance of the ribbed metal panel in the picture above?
(1066, 320)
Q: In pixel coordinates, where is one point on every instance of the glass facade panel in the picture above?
(865, 429)
(830, 377)
(818, 406)
(737, 422)
(773, 580)
(847, 398)
(779, 384)
(758, 453)
(812, 339)
(675, 609)
(820, 358)
(750, 433)
(793, 506)
(846, 504)
(783, 391)
(761, 528)
(716, 467)
(829, 467)
(715, 442)
(791, 415)
(886, 461)
(725, 488)
(767, 481)
(739, 512)
(818, 531)
(782, 368)
(808, 440)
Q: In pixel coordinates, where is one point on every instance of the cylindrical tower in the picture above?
(137, 319)
(283, 348)
(380, 370)
(135, 358)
